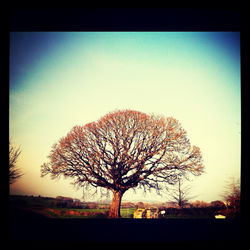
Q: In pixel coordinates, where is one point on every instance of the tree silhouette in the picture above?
(180, 193)
(124, 150)
(232, 196)
(14, 171)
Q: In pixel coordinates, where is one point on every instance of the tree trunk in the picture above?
(114, 211)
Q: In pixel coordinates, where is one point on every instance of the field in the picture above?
(86, 213)
(42, 206)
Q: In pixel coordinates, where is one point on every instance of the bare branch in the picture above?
(14, 171)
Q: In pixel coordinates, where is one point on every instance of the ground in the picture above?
(34, 224)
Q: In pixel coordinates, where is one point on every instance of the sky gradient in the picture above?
(62, 79)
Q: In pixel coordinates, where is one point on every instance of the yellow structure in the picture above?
(150, 213)
(220, 216)
(140, 213)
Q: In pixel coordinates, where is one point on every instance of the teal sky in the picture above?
(62, 79)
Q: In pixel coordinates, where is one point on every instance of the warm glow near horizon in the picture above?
(62, 79)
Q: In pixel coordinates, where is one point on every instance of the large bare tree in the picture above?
(123, 150)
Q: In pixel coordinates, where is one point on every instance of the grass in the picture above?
(83, 209)
(93, 213)
(127, 212)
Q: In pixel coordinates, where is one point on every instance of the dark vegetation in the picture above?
(30, 222)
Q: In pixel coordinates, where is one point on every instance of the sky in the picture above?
(61, 79)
